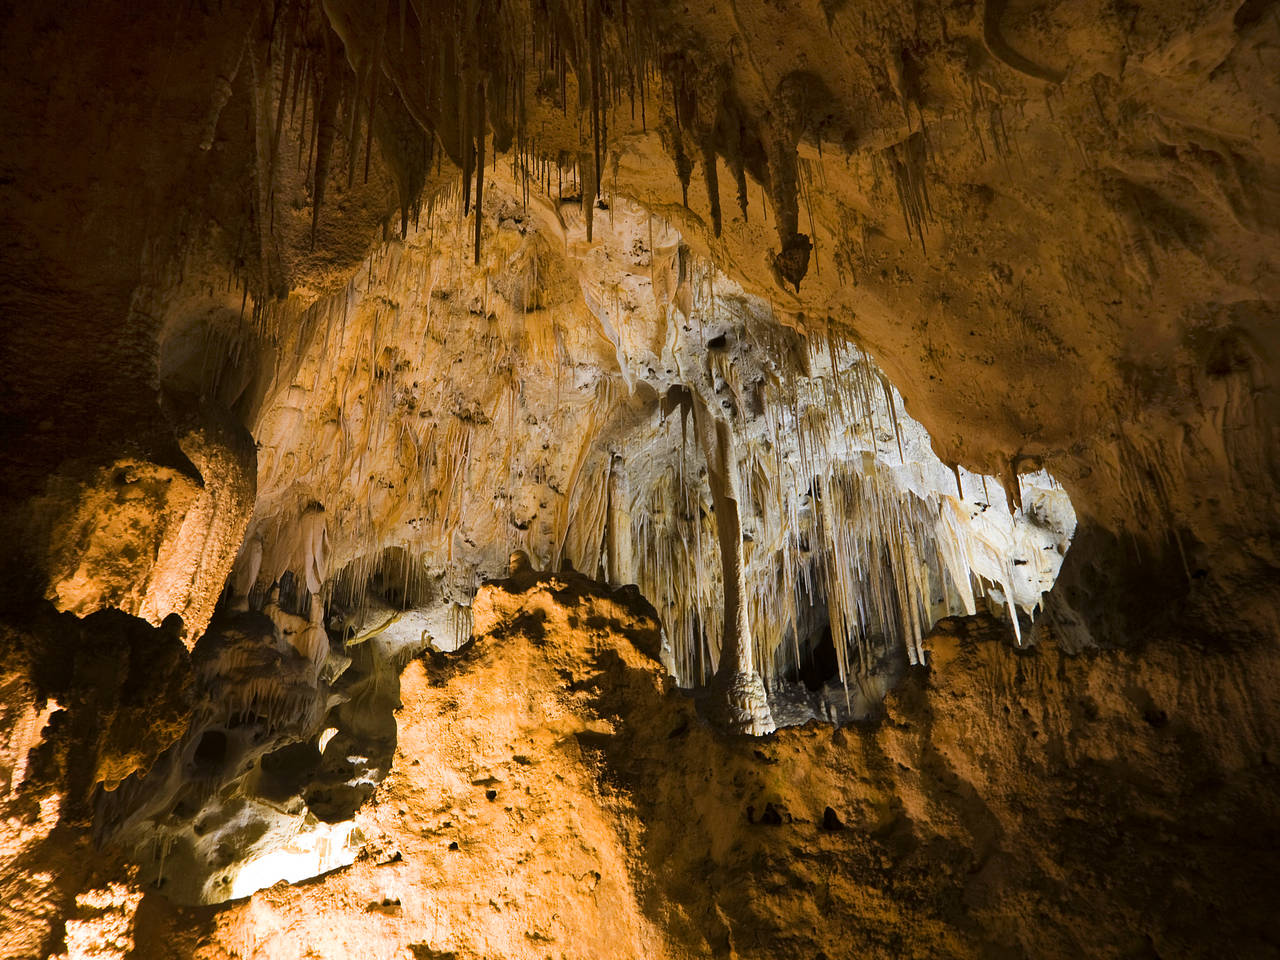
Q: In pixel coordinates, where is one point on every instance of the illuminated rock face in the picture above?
(817, 323)
(152, 541)
(231, 792)
(425, 410)
(620, 459)
(553, 790)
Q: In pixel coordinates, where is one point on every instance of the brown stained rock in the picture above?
(1001, 783)
(149, 540)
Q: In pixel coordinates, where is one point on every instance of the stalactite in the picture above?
(289, 30)
(792, 260)
(482, 122)
(325, 123)
(354, 100)
(710, 173)
(373, 102)
(908, 163)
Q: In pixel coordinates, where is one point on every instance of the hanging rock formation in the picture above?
(467, 445)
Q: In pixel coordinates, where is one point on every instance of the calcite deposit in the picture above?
(778, 478)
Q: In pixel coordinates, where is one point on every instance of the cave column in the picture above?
(618, 545)
(736, 679)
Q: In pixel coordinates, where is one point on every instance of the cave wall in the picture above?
(1053, 227)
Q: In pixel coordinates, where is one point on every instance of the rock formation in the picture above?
(553, 792)
(786, 478)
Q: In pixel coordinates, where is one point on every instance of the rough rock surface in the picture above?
(84, 704)
(152, 541)
(553, 793)
(404, 247)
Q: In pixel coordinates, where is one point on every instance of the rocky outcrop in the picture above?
(551, 791)
(287, 739)
(150, 540)
(85, 705)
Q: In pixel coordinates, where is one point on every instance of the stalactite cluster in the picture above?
(845, 507)
(539, 81)
(841, 505)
